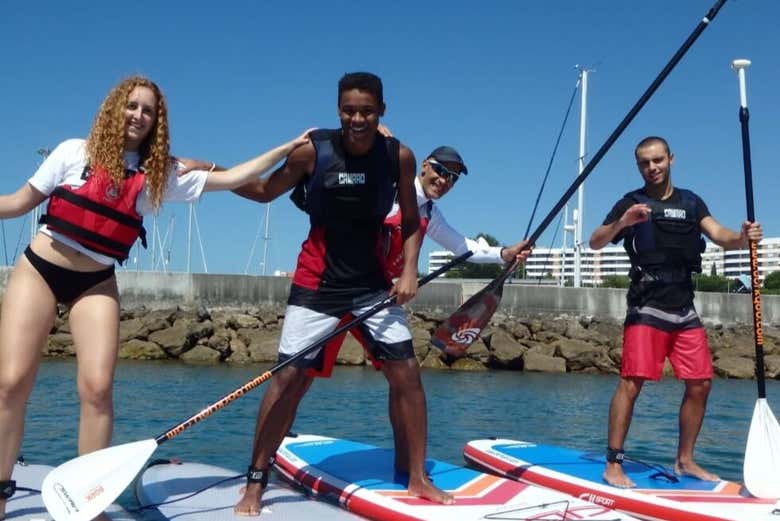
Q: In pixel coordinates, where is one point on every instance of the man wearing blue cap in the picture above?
(441, 169)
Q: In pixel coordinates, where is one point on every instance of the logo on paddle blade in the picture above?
(95, 492)
(466, 336)
(67, 501)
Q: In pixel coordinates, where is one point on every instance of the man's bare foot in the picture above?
(614, 475)
(251, 502)
(425, 489)
(693, 470)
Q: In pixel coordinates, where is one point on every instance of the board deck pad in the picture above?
(221, 490)
(28, 506)
(656, 495)
(362, 479)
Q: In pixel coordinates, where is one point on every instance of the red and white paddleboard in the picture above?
(657, 496)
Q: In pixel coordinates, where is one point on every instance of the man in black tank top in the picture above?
(345, 180)
(661, 226)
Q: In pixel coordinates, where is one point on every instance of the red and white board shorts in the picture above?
(652, 335)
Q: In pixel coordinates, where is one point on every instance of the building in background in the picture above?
(558, 264)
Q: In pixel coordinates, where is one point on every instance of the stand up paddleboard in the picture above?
(657, 495)
(362, 479)
(195, 491)
(27, 504)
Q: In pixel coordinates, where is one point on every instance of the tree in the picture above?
(615, 281)
(772, 281)
(469, 270)
(714, 283)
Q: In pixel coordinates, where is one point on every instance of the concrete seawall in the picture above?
(156, 290)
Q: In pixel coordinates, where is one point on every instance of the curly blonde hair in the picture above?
(105, 144)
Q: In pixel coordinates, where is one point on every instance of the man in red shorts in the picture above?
(661, 228)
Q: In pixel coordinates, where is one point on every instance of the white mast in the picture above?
(266, 237)
(579, 215)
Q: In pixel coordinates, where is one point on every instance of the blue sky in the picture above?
(492, 79)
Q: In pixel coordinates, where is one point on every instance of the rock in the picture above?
(467, 364)
(135, 349)
(239, 353)
(580, 355)
(132, 328)
(271, 316)
(610, 332)
(735, 352)
(201, 354)
(772, 366)
(540, 348)
(203, 314)
(547, 337)
(479, 352)
(734, 367)
(266, 350)
(181, 336)
(158, 319)
(534, 325)
(351, 352)
(433, 361)
(505, 351)
(616, 355)
(519, 330)
(242, 321)
(557, 325)
(220, 339)
(59, 344)
(421, 339)
(256, 336)
(534, 361)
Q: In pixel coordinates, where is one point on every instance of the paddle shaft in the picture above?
(255, 382)
(619, 130)
(755, 281)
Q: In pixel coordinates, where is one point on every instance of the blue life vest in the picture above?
(670, 239)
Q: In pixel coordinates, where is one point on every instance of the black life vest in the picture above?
(671, 239)
(349, 188)
(99, 215)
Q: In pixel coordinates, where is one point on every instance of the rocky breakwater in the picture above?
(535, 342)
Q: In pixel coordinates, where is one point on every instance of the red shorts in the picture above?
(646, 347)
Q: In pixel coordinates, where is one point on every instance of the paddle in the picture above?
(83, 487)
(461, 329)
(762, 454)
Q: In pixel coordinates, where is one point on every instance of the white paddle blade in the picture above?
(762, 454)
(82, 488)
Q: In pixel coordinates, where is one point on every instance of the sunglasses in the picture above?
(443, 172)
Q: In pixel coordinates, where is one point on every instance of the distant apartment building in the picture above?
(551, 263)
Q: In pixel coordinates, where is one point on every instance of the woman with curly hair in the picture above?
(98, 191)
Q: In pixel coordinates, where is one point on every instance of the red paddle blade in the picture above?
(462, 328)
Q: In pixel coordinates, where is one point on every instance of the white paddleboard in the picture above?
(220, 489)
(27, 505)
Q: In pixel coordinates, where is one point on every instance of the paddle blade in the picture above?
(762, 454)
(82, 488)
(462, 328)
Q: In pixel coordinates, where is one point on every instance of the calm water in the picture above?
(568, 409)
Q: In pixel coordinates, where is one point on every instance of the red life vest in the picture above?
(99, 215)
(394, 241)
